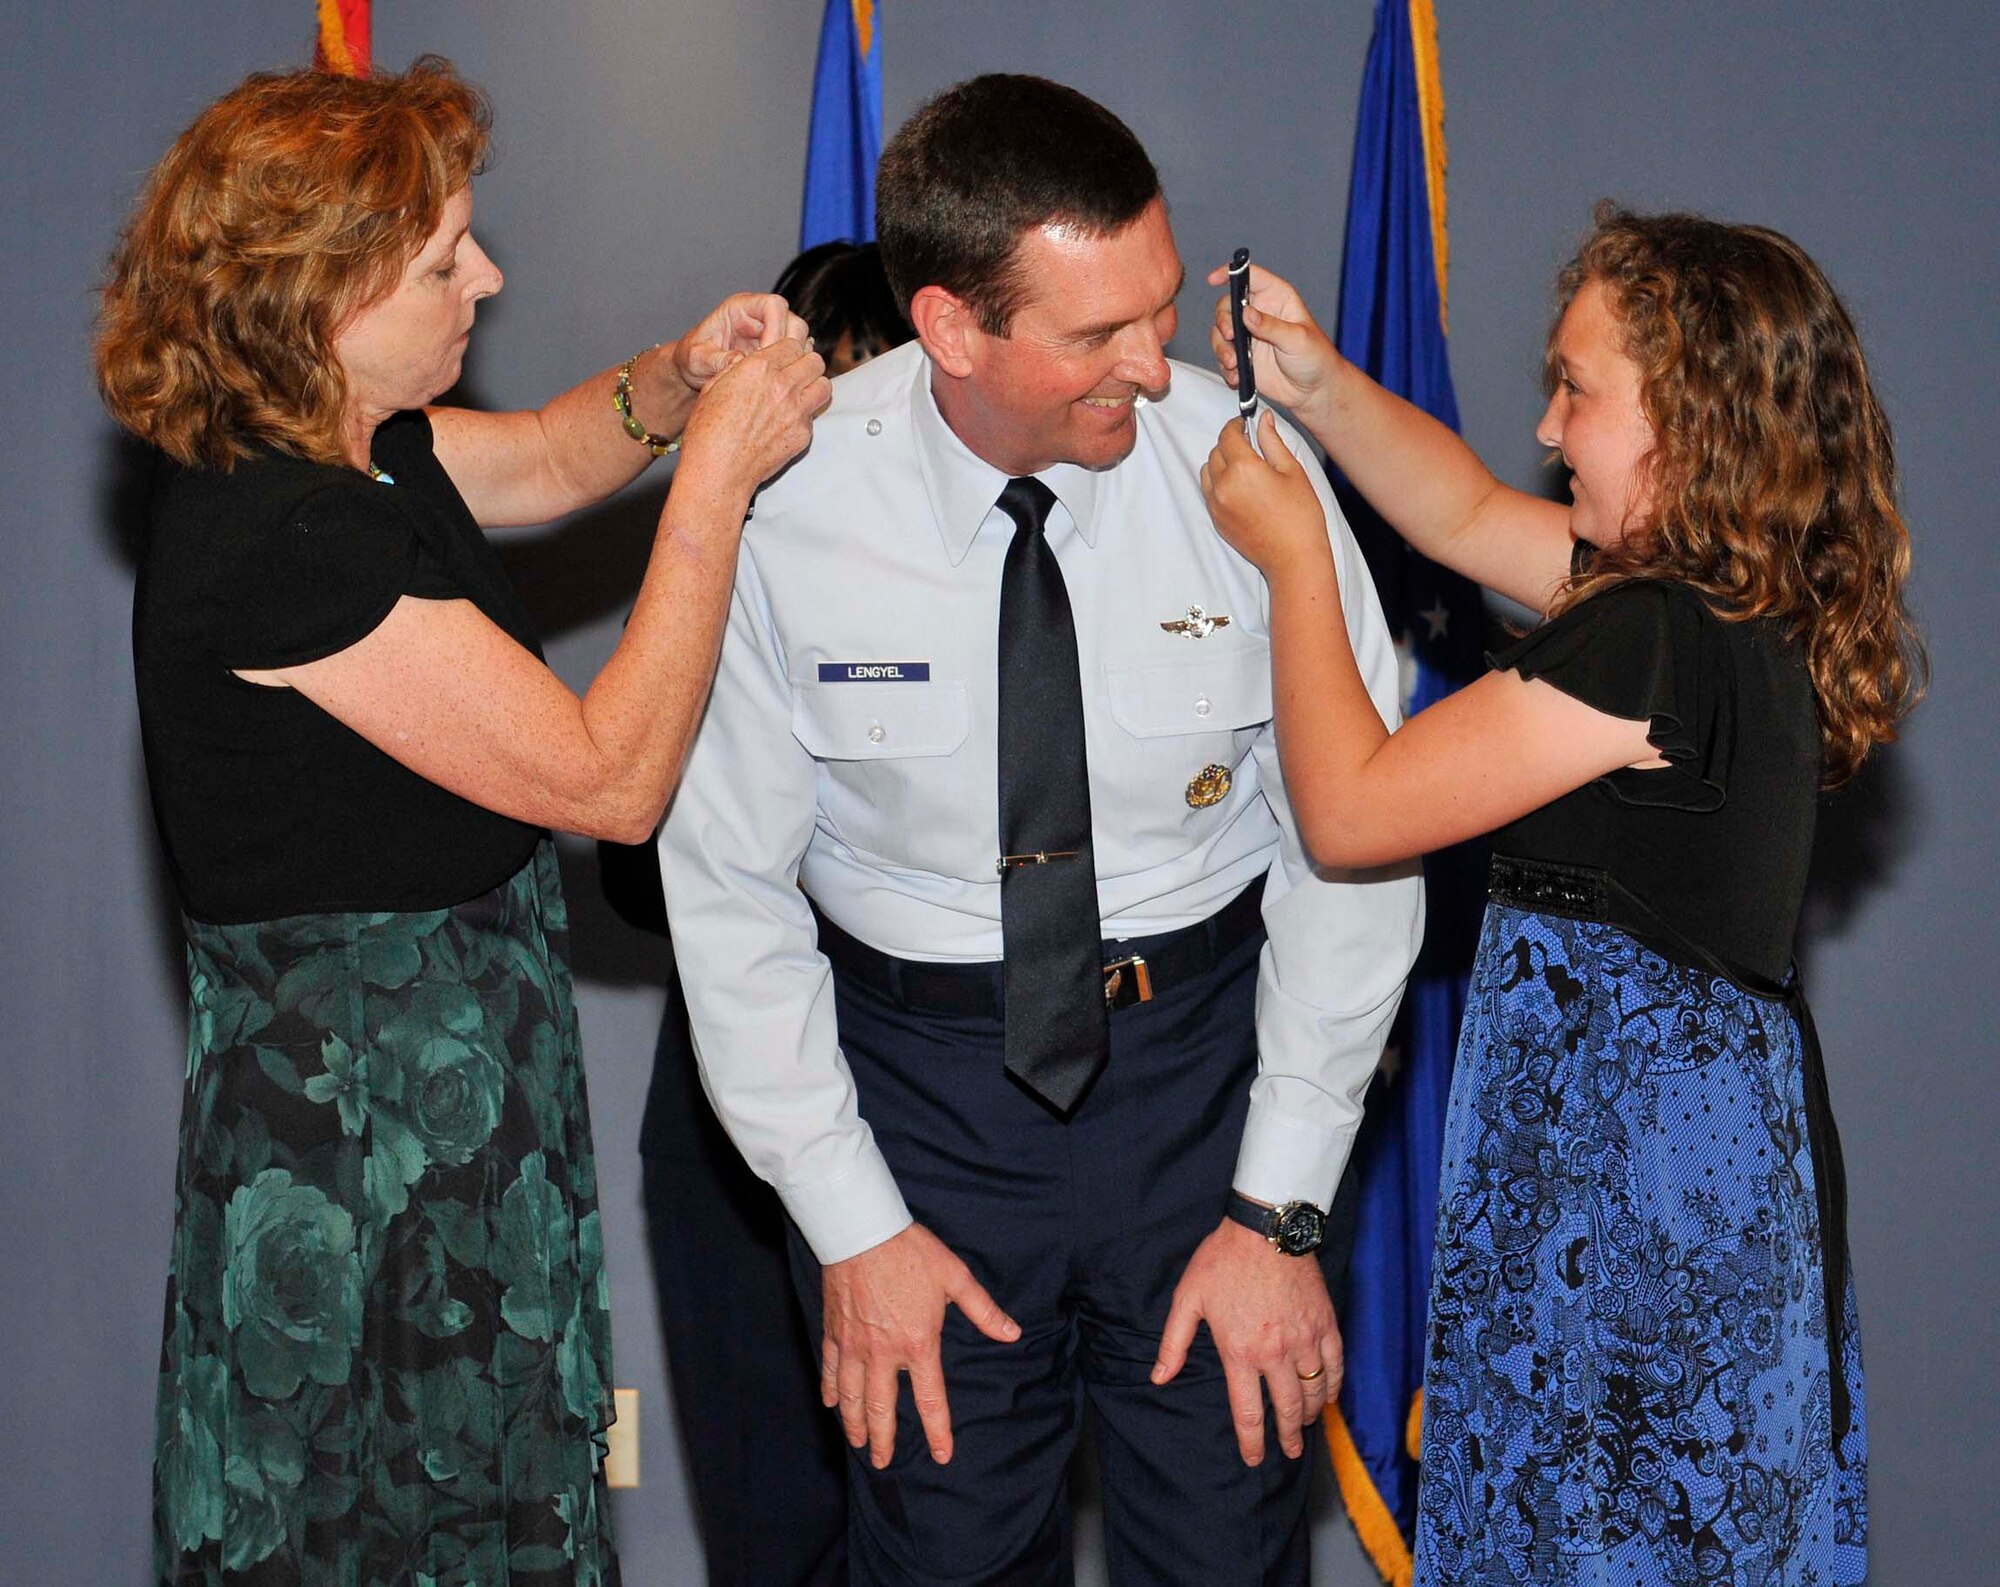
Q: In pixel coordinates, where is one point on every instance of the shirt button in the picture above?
(1202, 707)
(876, 733)
(874, 426)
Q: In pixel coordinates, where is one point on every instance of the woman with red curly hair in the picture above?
(386, 1355)
(1644, 1364)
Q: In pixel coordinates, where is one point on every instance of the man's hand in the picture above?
(884, 1313)
(1272, 1319)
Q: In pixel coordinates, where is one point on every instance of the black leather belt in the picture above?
(1583, 892)
(1136, 969)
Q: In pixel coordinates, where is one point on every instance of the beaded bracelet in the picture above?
(621, 399)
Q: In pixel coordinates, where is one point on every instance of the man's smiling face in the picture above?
(1089, 336)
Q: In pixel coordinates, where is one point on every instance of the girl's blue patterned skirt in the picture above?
(1628, 1378)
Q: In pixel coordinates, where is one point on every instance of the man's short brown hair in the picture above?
(987, 160)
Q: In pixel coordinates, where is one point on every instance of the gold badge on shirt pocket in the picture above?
(1208, 786)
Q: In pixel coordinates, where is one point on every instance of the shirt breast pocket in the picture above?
(1180, 719)
(879, 721)
(1227, 693)
(892, 779)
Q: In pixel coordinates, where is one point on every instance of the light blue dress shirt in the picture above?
(850, 747)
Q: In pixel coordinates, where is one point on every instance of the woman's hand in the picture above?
(1265, 506)
(755, 415)
(534, 466)
(745, 322)
(1291, 356)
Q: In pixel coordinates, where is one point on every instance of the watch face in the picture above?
(1298, 1227)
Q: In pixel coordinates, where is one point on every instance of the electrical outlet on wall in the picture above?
(621, 1464)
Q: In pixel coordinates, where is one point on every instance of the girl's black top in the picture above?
(1717, 841)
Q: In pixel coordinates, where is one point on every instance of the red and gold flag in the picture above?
(343, 37)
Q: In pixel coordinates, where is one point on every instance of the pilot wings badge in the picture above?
(1196, 625)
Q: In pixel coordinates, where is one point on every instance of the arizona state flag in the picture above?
(343, 37)
(845, 139)
(1392, 325)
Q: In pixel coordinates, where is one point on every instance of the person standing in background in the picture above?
(745, 1375)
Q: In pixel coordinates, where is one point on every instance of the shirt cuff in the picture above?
(1283, 1160)
(844, 1217)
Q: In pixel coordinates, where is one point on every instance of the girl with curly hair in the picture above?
(1644, 1364)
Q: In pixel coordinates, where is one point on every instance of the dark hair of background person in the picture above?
(839, 290)
(1774, 485)
(294, 200)
(987, 160)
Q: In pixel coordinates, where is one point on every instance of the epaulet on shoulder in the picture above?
(1201, 400)
(1202, 387)
(1201, 372)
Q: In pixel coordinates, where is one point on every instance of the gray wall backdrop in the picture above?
(649, 158)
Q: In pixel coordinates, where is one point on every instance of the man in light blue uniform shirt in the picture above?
(832, 887)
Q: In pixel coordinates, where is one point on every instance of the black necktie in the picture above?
(1056, 1035)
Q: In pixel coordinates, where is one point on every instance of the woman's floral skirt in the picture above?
(1627, 1379)
(387, 1357)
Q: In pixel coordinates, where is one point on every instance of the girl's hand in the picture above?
(1264, 506)
(1293, 360)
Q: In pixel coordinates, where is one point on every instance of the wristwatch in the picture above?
(1296, 1228)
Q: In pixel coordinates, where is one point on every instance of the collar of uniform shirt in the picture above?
(964, 487)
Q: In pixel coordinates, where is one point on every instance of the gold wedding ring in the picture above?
(1313, 1376)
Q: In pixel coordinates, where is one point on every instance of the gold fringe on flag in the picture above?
(1430, 108)
(1413, 1429)
(1373, 1524)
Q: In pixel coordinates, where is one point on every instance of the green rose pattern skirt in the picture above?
(387, 1355)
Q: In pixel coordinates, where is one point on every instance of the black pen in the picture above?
(1246, 377)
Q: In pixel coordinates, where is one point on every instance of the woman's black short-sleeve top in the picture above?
(1718, 840)
(267, 806)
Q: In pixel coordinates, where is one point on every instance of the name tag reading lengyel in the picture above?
(874, 672)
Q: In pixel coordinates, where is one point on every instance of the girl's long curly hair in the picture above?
(1772, 476)
(294, 200)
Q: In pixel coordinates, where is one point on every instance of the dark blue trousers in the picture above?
(765, 1458)
(1080, 1229)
